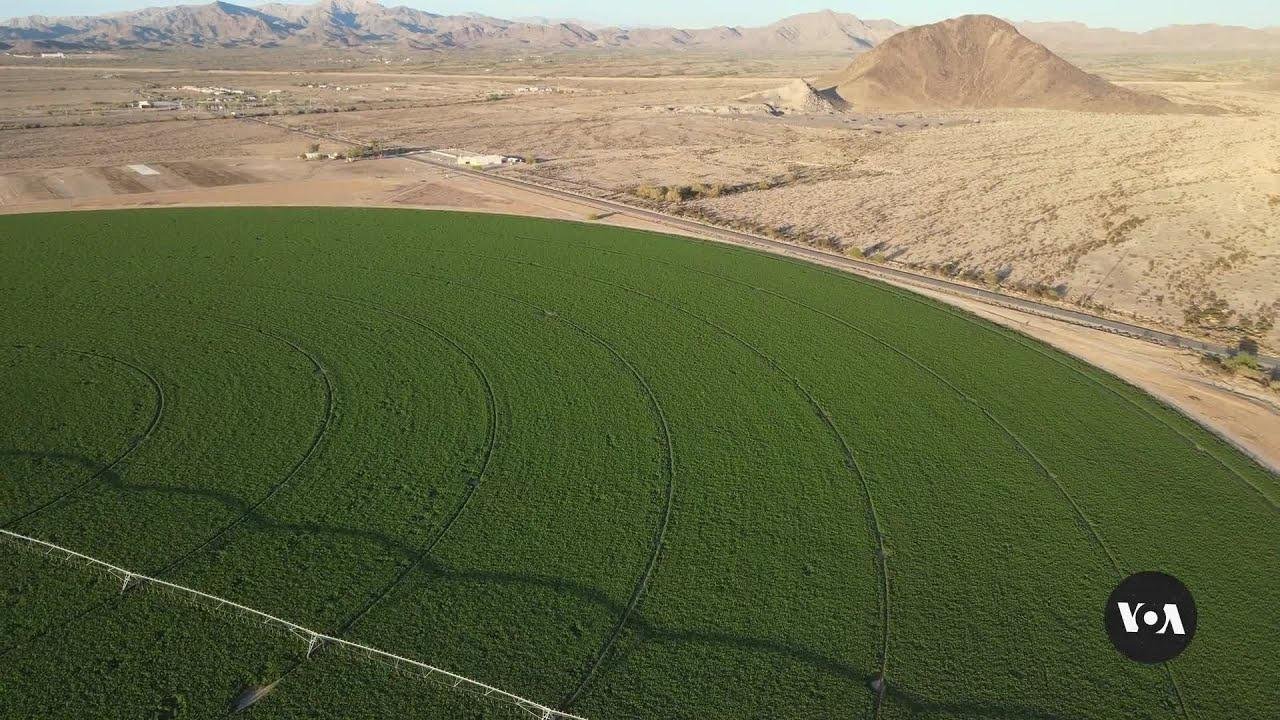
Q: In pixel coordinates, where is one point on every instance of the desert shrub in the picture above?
(825, 242)
(707, 190)
(1207, 309)
(651, 192)
(1242, 361)
(1214, 363)
(678, 193)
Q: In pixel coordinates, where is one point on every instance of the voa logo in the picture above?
(1150, 617)
(1172, 618)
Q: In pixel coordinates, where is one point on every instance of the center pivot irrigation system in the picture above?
(129, 579)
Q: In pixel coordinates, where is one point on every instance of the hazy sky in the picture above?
(1129, 15)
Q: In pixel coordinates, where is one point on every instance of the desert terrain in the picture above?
(1167, 219)
(1164, 219)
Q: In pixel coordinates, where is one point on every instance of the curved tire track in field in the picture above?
(1013, 336)
(1073, 367)
(247, 512)
(847, 455)
(490, 442)
(156, 416)
(1081, 517)
(1017, 337)
(1022, 446)
(668, 462)
(316, 439)
(415, 558)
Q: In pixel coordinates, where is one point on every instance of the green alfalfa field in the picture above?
(619, 473)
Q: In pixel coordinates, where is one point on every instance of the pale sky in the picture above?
(1130, 15)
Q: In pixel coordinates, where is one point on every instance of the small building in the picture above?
(470, 159)
(488, 160)
(158, 104)
(312, 155)
(480, 160)
(55, 55)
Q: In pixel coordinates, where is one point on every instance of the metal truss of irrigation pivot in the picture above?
(314, 640)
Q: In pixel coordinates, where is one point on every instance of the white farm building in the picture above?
(462, 157)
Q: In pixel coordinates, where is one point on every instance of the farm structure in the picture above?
(159, 104)
(463, 157)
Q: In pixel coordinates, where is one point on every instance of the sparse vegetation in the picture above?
(1242, 361)
(703, 190)
(1207, 310)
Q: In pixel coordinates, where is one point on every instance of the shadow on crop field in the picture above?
(233, 502)
(435, 572)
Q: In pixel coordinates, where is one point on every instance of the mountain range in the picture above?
(1074, 37)
(366, 23)
(354, 23)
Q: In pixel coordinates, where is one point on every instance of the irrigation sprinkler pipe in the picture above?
(312, 637)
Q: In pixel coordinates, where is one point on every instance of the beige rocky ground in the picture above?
(1171, 220)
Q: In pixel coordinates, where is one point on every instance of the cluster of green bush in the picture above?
(679, 193)
(1242, 361)
(704, 190)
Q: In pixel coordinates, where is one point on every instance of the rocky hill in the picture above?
(977, 61)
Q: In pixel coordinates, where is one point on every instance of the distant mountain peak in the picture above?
(347, 23)
(354, 23)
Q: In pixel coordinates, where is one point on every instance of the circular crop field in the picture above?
(623, 474)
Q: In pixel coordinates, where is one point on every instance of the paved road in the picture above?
(861, 267)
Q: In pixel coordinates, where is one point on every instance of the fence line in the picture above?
(314, 639)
